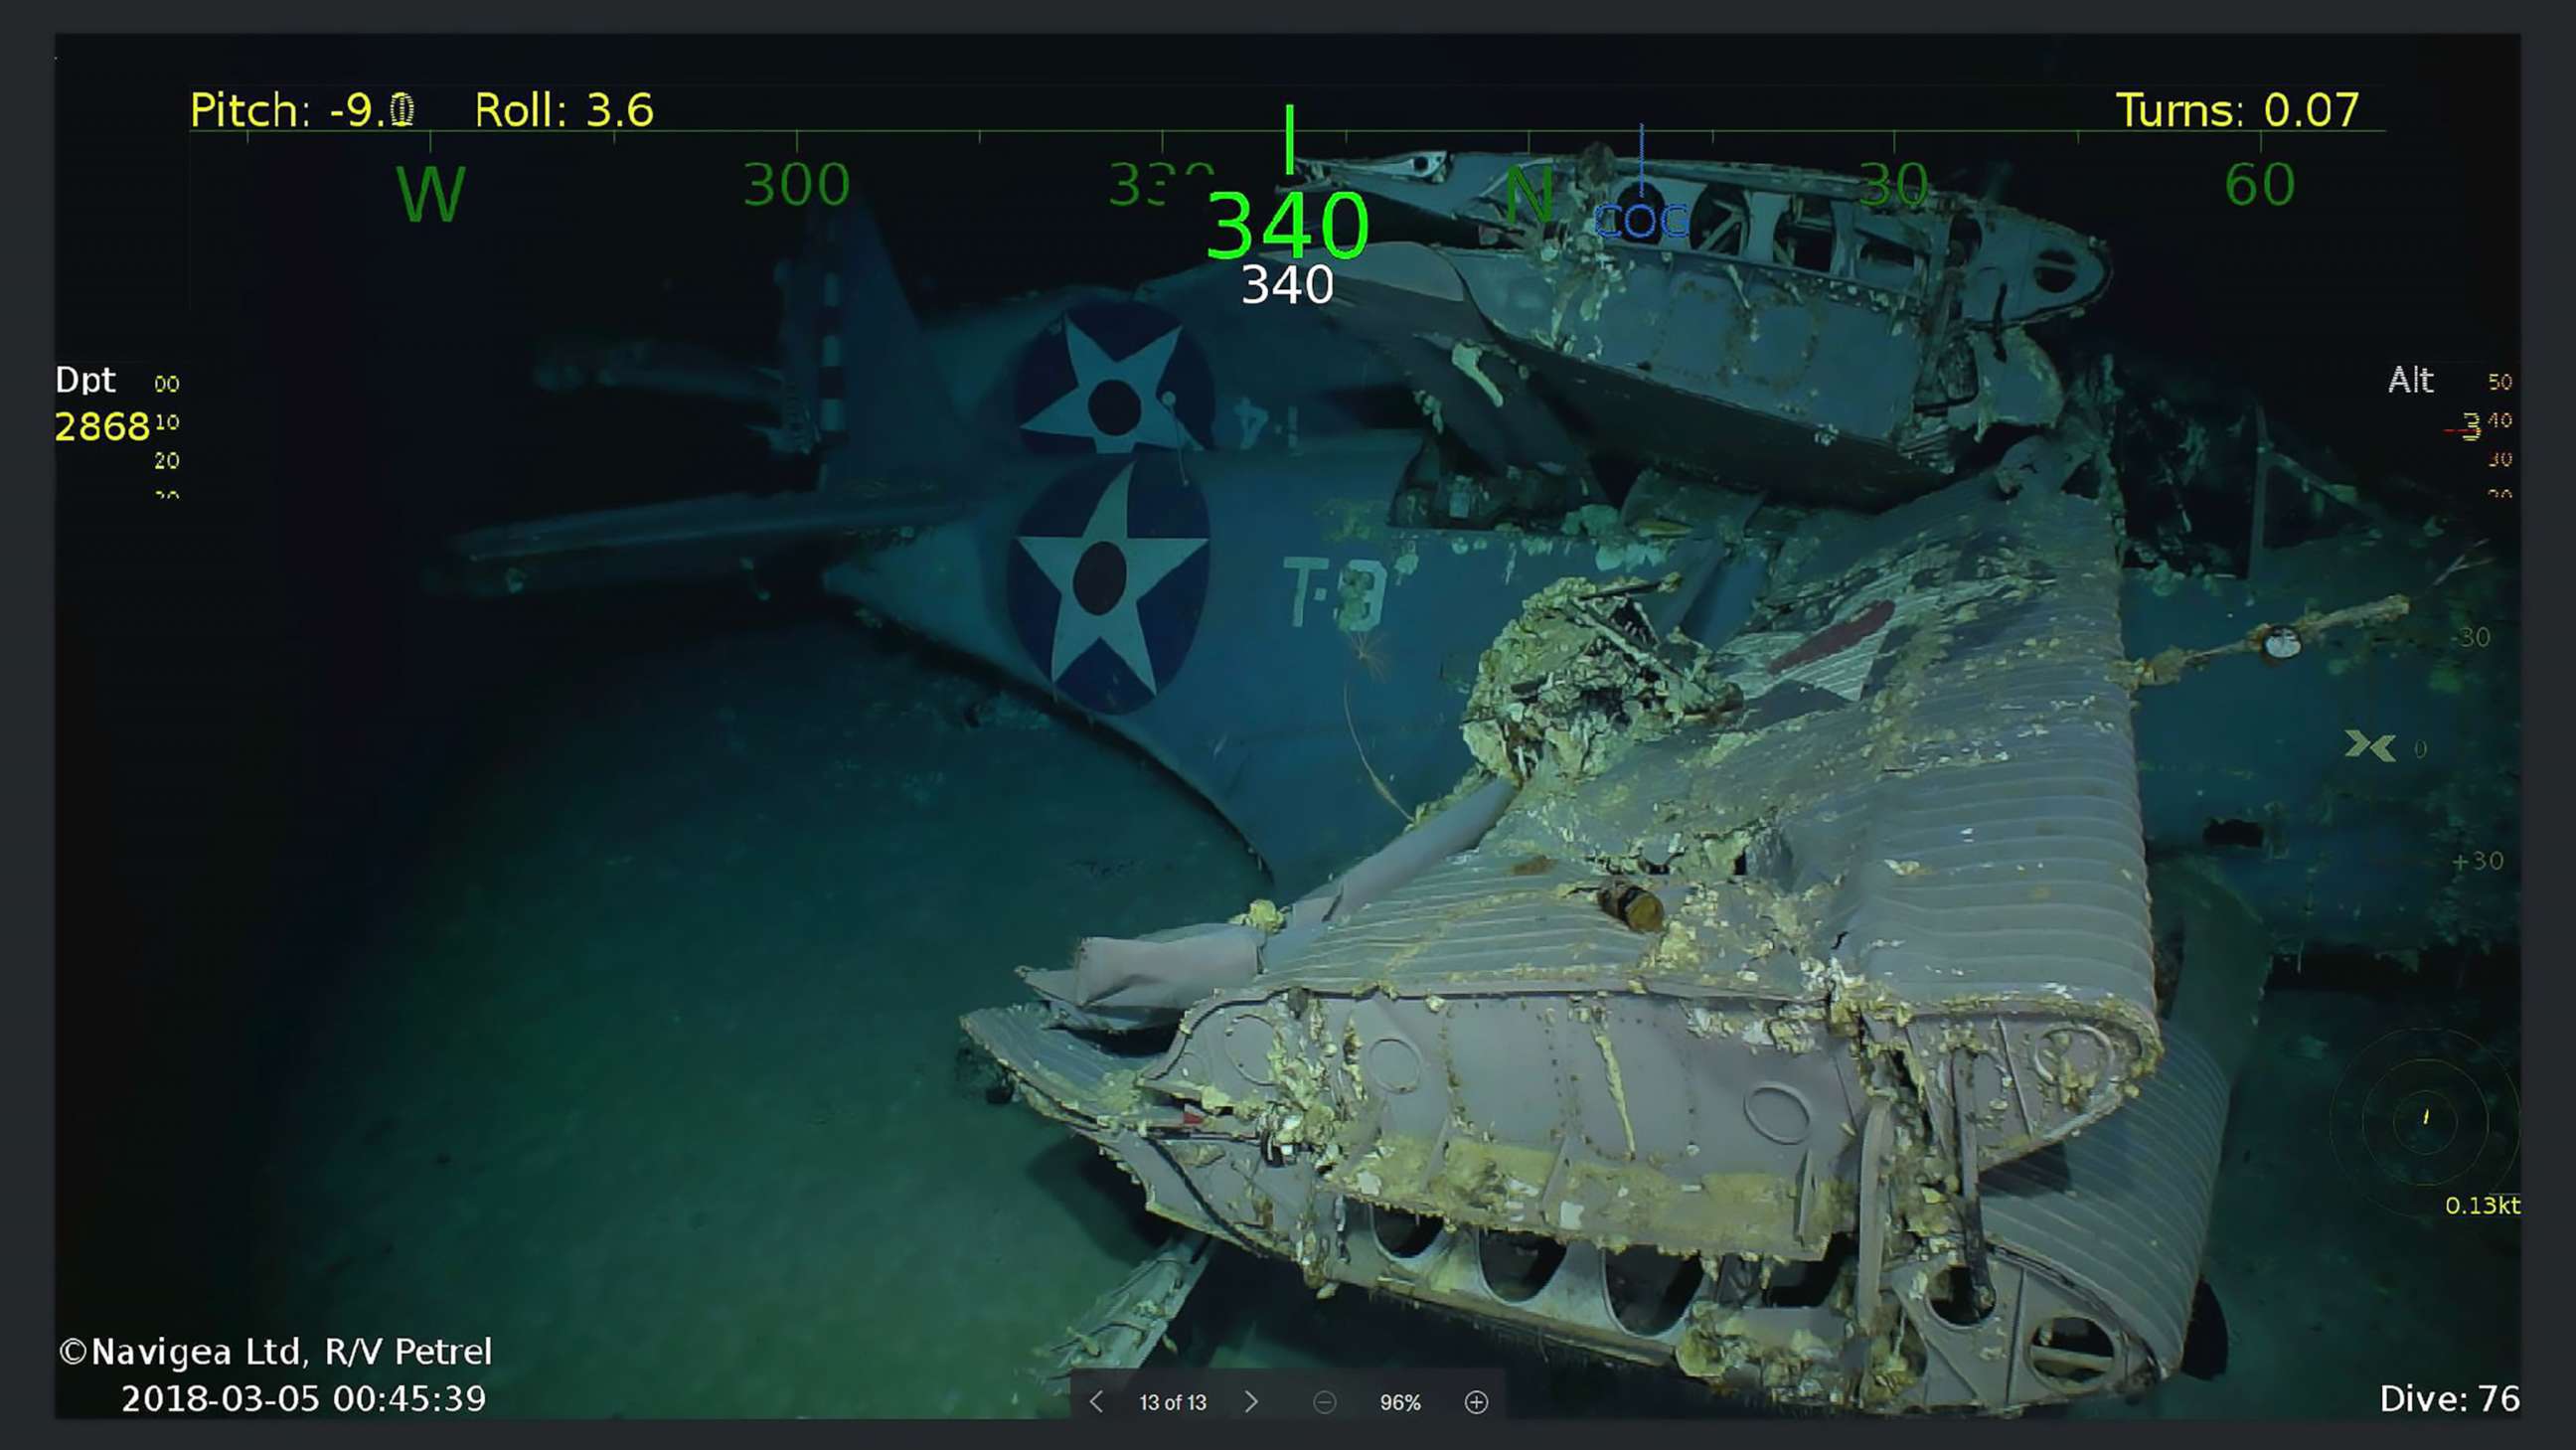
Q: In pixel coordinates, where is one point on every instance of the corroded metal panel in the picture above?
(1761, 1012)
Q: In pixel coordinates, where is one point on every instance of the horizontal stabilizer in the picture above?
(694, 538)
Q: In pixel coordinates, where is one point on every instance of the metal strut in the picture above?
(1972, 1214)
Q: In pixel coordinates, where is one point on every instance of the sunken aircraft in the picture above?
(1697, 755)
(1161, 509)
(1781, 1012)
(1735, 320)
(1182, 517)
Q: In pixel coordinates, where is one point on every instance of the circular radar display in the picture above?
(2422, 1115)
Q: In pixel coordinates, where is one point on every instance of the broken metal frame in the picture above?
(1899, 961)
(1768, 357)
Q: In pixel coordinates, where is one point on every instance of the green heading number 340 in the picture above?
(1291, 213)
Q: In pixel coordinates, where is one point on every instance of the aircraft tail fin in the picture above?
(853, 344)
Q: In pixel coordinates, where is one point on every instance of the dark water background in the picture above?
(266, 724)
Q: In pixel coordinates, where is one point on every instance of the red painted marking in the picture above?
(1191, 1118)
(1835, 638)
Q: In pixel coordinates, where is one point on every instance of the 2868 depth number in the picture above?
(86, 427)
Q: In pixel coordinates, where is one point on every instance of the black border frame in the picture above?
(26, 611)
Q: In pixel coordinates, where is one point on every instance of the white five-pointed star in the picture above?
(1147, 561)
(1141, 371)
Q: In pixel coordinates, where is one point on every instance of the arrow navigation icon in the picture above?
(1251, 1402)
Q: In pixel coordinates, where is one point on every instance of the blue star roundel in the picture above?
(1107, 576)
(1114, 377)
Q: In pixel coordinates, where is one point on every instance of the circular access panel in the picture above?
(1248, 1040)
(1392, 1064)
(1779, 1112)
(2071, 1054)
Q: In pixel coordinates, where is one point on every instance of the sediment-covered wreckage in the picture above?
(1776, 999)
(1760, 311)
(1782, 1012)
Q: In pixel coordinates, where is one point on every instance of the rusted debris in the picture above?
(1580, 674)
(1634, 905)
(1693, 1051)
(2265, 639)
(1131, 1321)
(1732, 316)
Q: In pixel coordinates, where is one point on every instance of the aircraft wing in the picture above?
(1255, 623)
